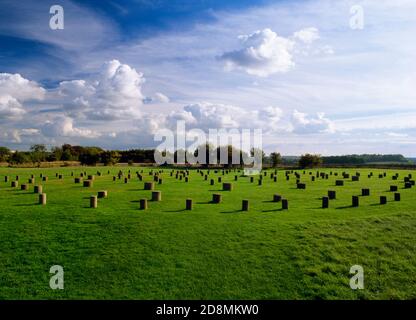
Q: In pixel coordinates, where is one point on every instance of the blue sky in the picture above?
(121, 70)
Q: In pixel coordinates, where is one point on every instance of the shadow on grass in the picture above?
(27, 205)
(173, 211)
(274, 210)
(346, 207)
(233, 211)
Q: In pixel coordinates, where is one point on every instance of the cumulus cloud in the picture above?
(307, 35)
(208, 115)
(160, 97)
(64, 127)
(302, 123)
(20, 88)
(113, 94)
(263, 53)
(10, 108)
(14, 91)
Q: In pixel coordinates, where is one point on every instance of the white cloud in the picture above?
(64, 127)
(302, 123)
(20, 88)
(113, 94)
(10, 108)
(307, 35)
(161, 97)
(14, 91)
(263, 53)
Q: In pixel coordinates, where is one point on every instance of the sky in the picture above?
(327, 77)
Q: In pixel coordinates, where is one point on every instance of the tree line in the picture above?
(39, 153)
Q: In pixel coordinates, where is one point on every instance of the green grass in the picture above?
(215, 251)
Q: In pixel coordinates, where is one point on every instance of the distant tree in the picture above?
(110, 158)
(310, 160)
(38, 153)
(90, 155)
(276, 159)
(19, 158)
(4, 154)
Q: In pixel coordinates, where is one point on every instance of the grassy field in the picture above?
(214, 251)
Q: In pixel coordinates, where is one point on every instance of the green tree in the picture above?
(38, 153)
(4, 154)
(110, 157)
(310, 160)
(90, 155)
(276, 159)
(19, 158)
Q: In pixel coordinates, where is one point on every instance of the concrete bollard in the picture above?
(149, 186)
(355, 201)
(93, 202)
(38, 189)
(102, 194)
(244, 205)
(188, 204)
(42, 199)
(325, 202)
(277, 197)
(143, 204)
(365, 192)
(227, 187)
(87, 184)
(397, 196)
(156, 196)
(216, 198)
(332, 194)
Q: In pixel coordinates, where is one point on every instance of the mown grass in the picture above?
(215, 251)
